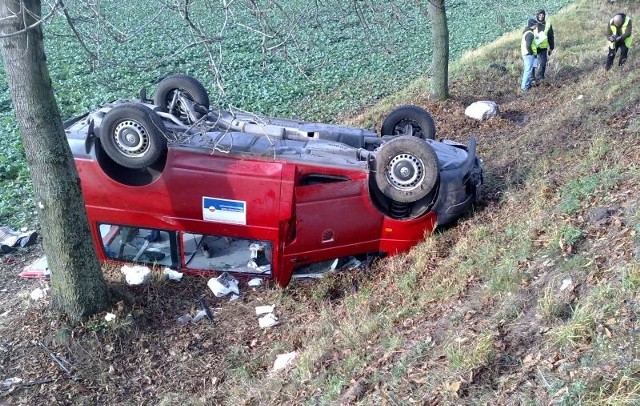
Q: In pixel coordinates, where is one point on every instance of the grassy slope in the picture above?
(530, 300)
(479, 312)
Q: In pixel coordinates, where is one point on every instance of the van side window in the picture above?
(135, 244)
(219, 253)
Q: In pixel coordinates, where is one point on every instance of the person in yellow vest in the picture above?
(620, 37)
(528, 50)
(545, 42)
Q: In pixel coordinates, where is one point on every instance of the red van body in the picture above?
(206, 191)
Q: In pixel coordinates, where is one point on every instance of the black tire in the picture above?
(133, 135)
(406, 169)
(187, 85)
(418, 118)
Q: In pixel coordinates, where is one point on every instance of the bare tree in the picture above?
(440, 60)
(78, 287)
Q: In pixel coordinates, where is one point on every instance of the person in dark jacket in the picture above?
(528, 50)
(545, 41)
(620, 37)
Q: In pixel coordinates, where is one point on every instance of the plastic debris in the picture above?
(199, 316)
(223, 285)
(8, 383)
(566, 282)
(234, 297)
(284, 360)
(9, 239)
(352, 264)
(38, 294)
(265, 309)
(255, 282)
(268, 320)
(110, 317)
(39, 269)
(136, 274)
(334, 264)
(182, 320)
(172, 275)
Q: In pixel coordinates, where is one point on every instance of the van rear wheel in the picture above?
(406, 169)
(165, 96)
(418, 119)
(132, 135)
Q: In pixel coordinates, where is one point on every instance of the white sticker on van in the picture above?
(224, 210)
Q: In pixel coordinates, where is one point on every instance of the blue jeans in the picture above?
(527, 72)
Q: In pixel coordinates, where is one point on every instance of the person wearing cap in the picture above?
(545, 42)
(528, 49)
(620, 37)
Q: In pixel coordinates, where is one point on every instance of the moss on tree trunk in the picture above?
(78, 287)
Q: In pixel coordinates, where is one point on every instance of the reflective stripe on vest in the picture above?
(541, 38)
(523, 44)
(614, 29)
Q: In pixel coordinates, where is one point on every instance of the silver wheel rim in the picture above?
(132, 139)
(405, 172)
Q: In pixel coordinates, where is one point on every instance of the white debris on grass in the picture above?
(136, 274)
(566, 282)
(234, 297)
(265, 309)
(223, 285)
(171, 274)
(268, 320)
(38, 294)
(184, 319)
(255, 282)
(199, 316)
(8, 383)
(284, 360)
(110, 317)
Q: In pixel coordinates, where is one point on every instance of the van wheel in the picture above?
(132, 135)
(406, 169)
(421, 122)
(187, 86)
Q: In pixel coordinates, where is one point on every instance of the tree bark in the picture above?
(78, 287)
(440, 59)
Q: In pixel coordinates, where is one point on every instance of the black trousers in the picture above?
(624, 51)
(542, 63)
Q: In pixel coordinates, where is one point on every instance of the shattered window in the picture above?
(219, 253)
(134, 244)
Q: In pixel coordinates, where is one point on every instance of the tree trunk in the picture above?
(440, 61)
(78, 287)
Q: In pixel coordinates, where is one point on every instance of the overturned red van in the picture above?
(173, 182)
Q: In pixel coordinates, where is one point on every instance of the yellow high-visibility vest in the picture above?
(629, 39)
(523, 44)
(542, 40)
